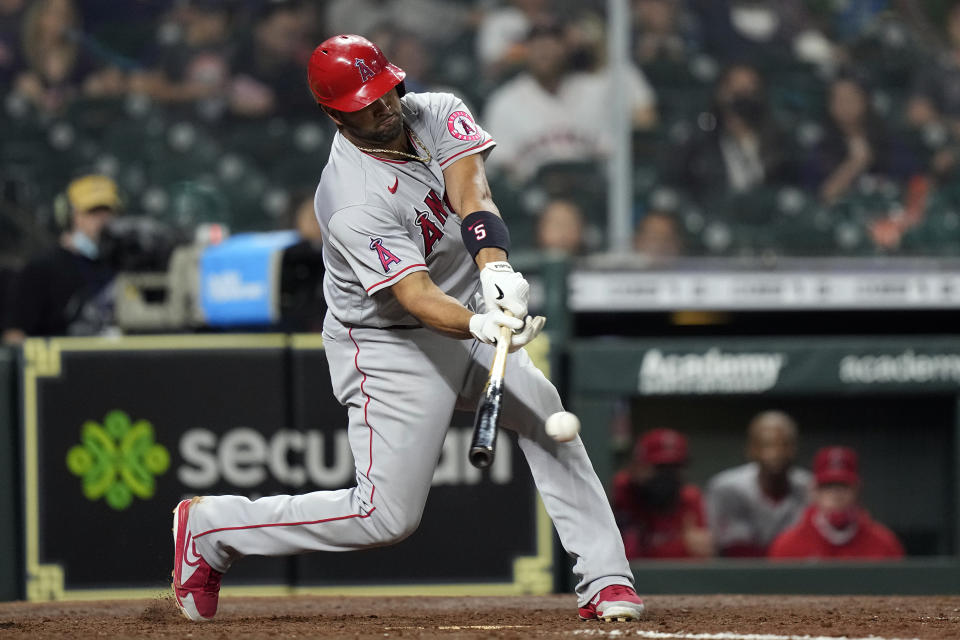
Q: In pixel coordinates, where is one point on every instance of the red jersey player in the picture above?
(659, 515)
(835, 526)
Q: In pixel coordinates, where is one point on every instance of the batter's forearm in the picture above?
(445, 315)
(489, 254)
(468, 191)
(424, 300)
(467, 187)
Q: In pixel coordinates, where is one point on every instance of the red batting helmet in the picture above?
(347, 73)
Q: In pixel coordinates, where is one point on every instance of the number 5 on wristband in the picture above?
(483, 229)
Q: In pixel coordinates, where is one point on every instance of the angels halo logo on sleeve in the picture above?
(462, 127)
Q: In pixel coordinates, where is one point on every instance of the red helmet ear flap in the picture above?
(349, 72)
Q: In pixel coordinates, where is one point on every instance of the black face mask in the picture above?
(662, 491)
(747, 107)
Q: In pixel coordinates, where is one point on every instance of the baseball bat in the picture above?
(484, 444)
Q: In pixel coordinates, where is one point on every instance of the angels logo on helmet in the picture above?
(366, 73)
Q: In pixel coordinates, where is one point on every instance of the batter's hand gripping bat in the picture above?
(484, 443)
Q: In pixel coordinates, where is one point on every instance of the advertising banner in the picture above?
(116, 432)
(732, 365)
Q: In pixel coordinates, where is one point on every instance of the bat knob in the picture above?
(481, 457)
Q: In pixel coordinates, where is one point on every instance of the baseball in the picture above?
(562, 426)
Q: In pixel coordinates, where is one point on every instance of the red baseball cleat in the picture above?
(616, 603)
(196, 585)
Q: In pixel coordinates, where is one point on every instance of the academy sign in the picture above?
(712, 371)
(905, 367)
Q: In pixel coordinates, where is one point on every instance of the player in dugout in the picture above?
(835, 525)
(418, 287)
(659, 514)
(749, 505)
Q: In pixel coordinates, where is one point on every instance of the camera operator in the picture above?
(65, 291)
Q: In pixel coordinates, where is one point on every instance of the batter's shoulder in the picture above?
(427, 107)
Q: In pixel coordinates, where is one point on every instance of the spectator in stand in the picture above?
(302, 305)
(56, 68)
(560, 228)
(437, 23)
(11, 23)
(936, 97)
(65, 291)
(658, 238)
(546, 114)
(835, 526)
(761, 30)
(407, 51)
(935, 94)
(659, 514)
(267, 71)
(660, 34)
(193, 65)
(856, 143)
(751, 504)
(502, 33)
(738, 150)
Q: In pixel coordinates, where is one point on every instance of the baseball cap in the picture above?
(836, 465)
(661, 446)
(90, 192)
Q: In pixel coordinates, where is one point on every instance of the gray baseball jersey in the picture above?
(400, 382)
(382, 219)
(740, 514)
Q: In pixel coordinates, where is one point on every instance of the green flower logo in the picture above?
(118, 460)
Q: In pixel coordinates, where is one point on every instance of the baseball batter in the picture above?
(418, 285)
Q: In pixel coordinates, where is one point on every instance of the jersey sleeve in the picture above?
(455, 132)
(375, 245)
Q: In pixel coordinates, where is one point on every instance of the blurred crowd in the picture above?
(818, 128)
(770, 506)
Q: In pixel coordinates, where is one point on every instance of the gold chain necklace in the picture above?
(416, 139)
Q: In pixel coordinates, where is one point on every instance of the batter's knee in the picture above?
(392, 528)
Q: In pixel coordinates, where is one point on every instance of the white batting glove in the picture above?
(531, 329)
(504, 288)
(485, 327)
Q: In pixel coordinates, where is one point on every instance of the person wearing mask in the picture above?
(64, 291)
(750, 504)
(660, 515)
(835, 525)
(740, 149)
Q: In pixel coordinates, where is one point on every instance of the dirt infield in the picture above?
(544, 617)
